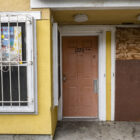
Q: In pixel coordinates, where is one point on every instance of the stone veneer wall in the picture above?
(128, 43)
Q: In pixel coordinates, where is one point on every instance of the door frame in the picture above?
(89, 30)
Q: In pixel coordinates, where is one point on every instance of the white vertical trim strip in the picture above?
(55, 64)
(113, 57)
(60, 105)
(35, 67)
(30, 68)
(102, 77)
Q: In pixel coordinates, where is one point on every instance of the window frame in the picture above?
(30, 31)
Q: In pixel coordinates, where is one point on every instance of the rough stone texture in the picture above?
(25, 137)
(32, 137)
(6, 137)
(128, 43)
(97, 131)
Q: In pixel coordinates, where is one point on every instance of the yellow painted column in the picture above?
(108, 75)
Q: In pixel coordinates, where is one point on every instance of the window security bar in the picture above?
(16, 18)
(16, 61)
(14, 101)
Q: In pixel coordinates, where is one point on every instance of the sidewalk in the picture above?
(93, 130)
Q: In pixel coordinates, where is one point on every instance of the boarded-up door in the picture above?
(80, 69)
(127, 106)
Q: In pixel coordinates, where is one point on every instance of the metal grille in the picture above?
(16, 63)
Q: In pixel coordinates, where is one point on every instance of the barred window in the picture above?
(17, 64)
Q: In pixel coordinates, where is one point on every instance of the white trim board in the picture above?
(86, 4)
(90, 31)
(55, 64)
(113, 60)
(35, 14)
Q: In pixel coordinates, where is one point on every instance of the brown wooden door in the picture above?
(80, 69)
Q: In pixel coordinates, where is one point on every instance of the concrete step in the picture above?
(95, 130)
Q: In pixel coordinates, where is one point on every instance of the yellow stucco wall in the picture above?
(54, 120)
(21, 5)
(108, 75)
(41, 123)
(45, 121)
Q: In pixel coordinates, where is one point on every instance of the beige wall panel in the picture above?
(14, 5)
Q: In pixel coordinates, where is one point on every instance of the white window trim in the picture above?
(35, 14)
(31, 70)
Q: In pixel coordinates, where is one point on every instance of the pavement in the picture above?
(95, 130)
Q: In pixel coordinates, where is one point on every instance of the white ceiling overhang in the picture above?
(86, 4)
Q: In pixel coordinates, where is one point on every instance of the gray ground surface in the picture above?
(93, 130)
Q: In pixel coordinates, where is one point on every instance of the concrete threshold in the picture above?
(25, 137)
(95, 130)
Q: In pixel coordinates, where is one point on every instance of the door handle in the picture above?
(95, 86)
(64, 78)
